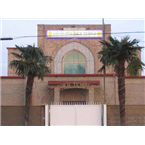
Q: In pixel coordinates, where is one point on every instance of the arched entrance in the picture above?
(83, 89)
(74, 95)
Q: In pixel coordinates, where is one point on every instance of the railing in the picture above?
(75, 103)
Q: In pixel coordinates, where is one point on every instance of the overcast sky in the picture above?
(28, 27)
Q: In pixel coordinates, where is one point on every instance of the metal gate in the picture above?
(75, 115)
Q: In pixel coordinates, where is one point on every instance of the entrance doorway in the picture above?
(74, 96)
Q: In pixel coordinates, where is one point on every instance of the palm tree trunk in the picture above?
(121, 90)
(29, 87)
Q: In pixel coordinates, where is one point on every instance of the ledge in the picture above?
(73, 82)
(11, 48)
(73, 75)
(78, 75)
(89, 75)
(131, 77)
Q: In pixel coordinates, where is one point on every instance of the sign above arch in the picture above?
(79, 34)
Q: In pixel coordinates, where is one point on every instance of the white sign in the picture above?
(84, 34)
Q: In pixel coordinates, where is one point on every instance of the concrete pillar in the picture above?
(56, 94)
(91, 94)
(46, 115)
(105, 115)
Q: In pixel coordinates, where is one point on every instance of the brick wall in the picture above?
(14, 116)
(13, 90)
(12, 113)
(51, 46)
(135, 115)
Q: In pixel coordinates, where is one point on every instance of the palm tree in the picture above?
(31, 62)
(115, 53)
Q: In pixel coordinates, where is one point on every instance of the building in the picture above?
(82, 84)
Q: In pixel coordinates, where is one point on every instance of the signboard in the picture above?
(79, 34)
(76, 85)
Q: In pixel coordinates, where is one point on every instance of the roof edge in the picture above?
(11, 48)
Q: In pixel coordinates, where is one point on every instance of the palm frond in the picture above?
(125, 40)
(43, 70)
(17, 55)
(19, 66)
(113, 50)
(135, 65)
(31, 60)
(101, 69)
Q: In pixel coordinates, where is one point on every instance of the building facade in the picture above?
(74, 78)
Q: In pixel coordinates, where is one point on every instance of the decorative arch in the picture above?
(70, 47)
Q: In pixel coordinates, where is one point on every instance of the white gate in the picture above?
(75, 115)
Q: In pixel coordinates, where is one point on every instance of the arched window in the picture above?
(59, 57)
(74, 63)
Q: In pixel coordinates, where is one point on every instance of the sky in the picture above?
(28, 27)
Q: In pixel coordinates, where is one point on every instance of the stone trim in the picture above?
(70, 47)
